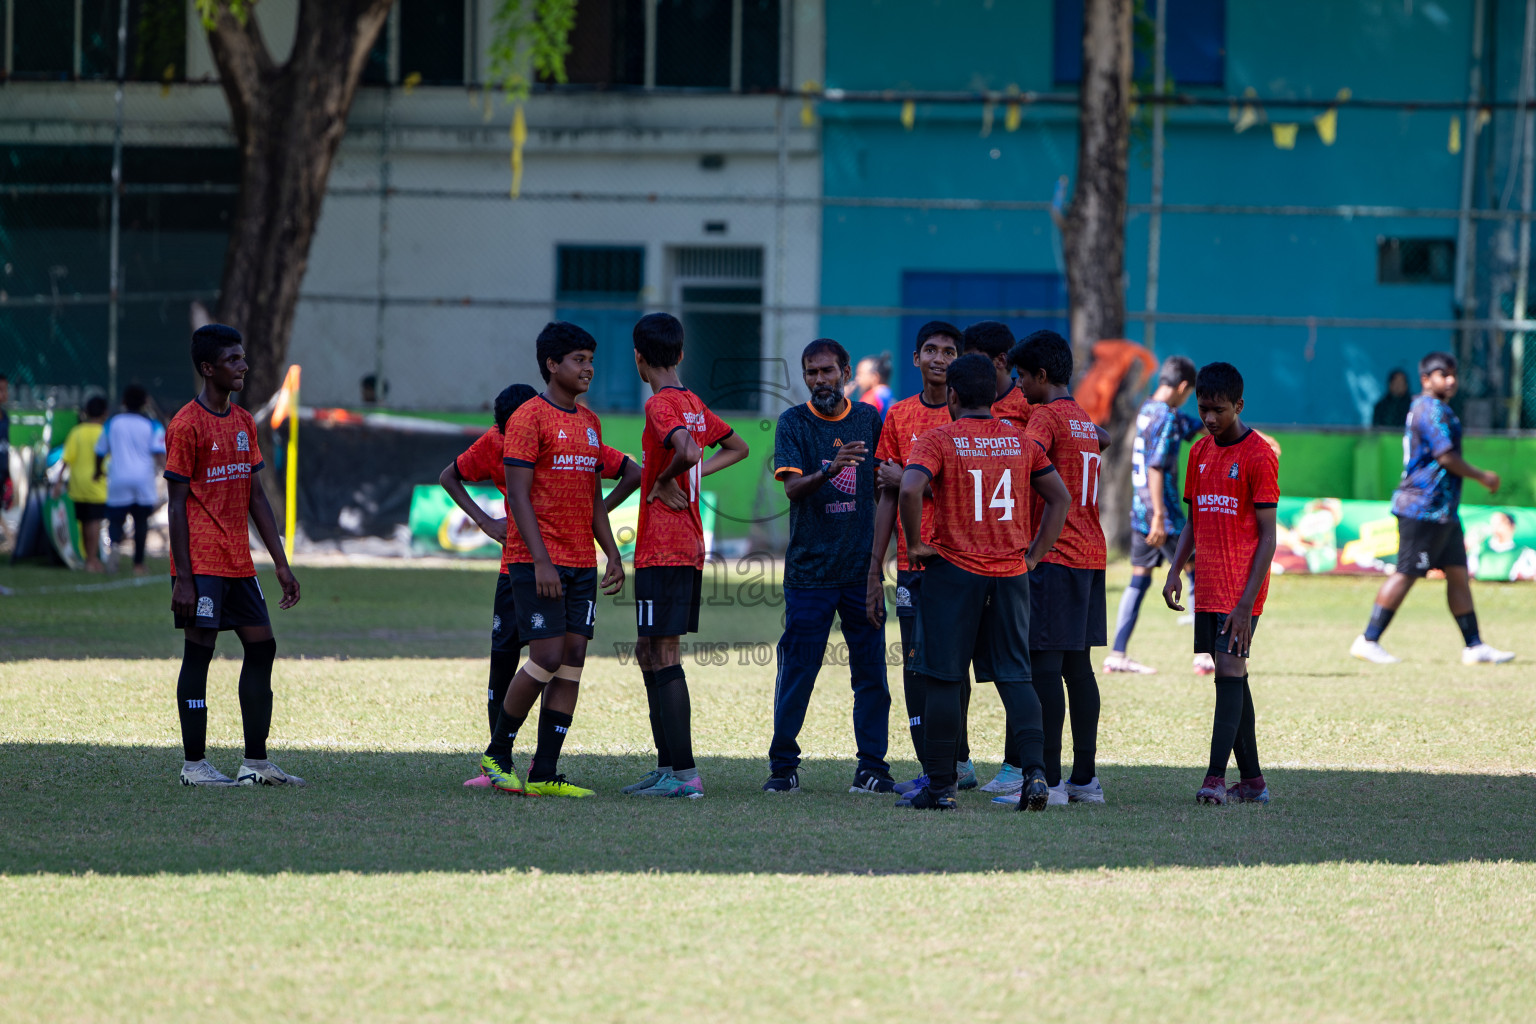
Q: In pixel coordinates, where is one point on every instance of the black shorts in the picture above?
(964, 618)
(667, 599)
(1422, 546)
(1066, 608)
(538, 618)
(909, 586)
(1145, 556)
(1210, 634)
(86, 511)
(226, 602)
(504, 638)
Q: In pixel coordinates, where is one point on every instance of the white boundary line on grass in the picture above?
(83, 588)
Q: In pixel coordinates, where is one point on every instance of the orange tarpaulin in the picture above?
(1112, 360)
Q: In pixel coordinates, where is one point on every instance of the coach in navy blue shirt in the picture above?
(825, 456)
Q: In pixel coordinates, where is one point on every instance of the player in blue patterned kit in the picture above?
(1157, 509)
(1426, 504)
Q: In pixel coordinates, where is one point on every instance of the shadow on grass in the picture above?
(120, 810)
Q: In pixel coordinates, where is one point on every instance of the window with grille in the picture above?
(1415, 260)
(597, 287)
(691, 44)
(49, 39)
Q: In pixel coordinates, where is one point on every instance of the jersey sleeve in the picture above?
(156, 439)
(481, 460)
(789, 455)
(664, 417)
(1171, 432)
(612, 462)
(1189, 478)
(104, 442)
(1041, 430)
(1040, 462)
(521, 440)
(1436, 429)
(180, 453)
(715, 429)
(885, 449)
(1264, 490)
(257, 462)
(927, 454)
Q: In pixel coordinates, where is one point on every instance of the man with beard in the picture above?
(824, 454)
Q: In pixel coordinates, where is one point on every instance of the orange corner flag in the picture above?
(287, 397)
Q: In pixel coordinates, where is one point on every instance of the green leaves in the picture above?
(208, 10)
(530, 41)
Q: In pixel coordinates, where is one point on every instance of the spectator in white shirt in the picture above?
(136, 444)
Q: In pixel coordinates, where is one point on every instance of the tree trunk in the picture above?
(288, 121)
(1093, 235)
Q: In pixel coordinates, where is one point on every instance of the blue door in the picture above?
(933, 290)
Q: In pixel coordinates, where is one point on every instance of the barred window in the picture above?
(1415, 260)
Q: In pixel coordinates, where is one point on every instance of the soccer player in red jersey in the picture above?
(975, 593)
(669, 547)
(552, 454)
(938, 345)
(1231, 485)
(211, 462)
(482, 462)
(1066, 590)
(993, 339)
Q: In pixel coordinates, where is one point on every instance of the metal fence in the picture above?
(780, 217)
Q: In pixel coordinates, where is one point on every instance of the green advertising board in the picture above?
(1332, 535)
(439, 527)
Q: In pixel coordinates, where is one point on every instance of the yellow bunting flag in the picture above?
(1012, 116)
(519, 135)
(1327, 125)
(807, 111)
(908, 114)
(1249, 117)
(410, 82)
(1285, 135)
(1454, 142)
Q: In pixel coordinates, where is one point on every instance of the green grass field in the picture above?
(1391, 879)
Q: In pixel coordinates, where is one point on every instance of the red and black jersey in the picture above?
(980, 470)
(908, 420)
(1066, 434)
(664, 535)
(1223, 486)
(564, 449)
(484, 462)
(216, 456)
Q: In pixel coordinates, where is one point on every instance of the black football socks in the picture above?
(1226, 722)
(963, 740)
(192, 700)
(504, 734)
(1022, 707)
(553, 726)
(1045, 667)
(1083, 695)
(658, 726)
(913, 691)
(503, 668)
(676, 716)
(942, 715)
(1381, 618)
(1245, 747)
(256, 695)
(1468, 625)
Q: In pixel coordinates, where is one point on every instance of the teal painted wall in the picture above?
(1210, 264)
